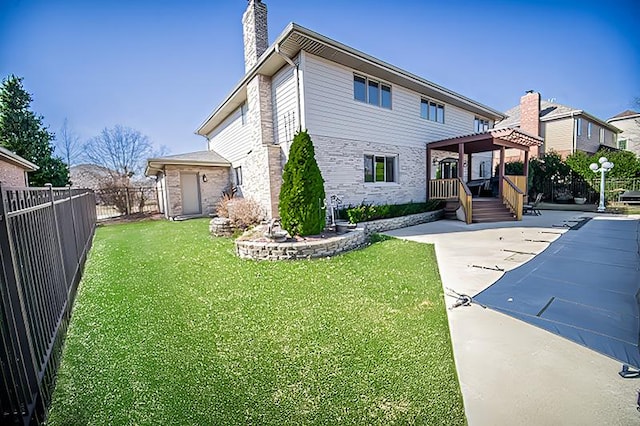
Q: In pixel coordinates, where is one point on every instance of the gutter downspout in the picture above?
(296, 70)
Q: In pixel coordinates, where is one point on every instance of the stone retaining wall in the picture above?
(302, 249)
(382, 225)
(359, 237)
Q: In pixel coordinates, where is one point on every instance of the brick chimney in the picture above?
(530, 113)
(254, 29)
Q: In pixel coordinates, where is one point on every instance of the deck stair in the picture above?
(491, 210)
(484, 210)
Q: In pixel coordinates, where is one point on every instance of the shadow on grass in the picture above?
(377, 238)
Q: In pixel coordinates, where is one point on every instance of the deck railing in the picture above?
(443, 188)
(513, 197)
(466, 200)
(520, 181)
(45, 235)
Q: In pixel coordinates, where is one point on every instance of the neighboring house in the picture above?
(14, 169)
(90, 176)
(629, 124)
(189, 184)
(564, 129)
(370, 122)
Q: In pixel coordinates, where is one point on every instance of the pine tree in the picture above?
(302, 192)
(22, 132)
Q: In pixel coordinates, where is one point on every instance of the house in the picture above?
(371, 124)
(14, 169)
(629, 123)
(564, 129)
(189, 184)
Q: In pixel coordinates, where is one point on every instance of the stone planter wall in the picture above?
(323, 247)
(302, 249)
(382, 225)
(220, 227)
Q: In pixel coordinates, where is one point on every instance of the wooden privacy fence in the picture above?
(45, 235)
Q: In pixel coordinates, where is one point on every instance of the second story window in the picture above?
(243, 113)
(480, 125)
(579, 127)
(589, 128)
(371, 91)
(601, 135)
(431, 110)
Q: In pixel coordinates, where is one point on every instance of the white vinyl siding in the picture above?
(285, 109)
(231, 138)
(332, 111)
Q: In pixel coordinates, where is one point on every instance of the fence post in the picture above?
(73, 223)
(57, 226)
(127, 200)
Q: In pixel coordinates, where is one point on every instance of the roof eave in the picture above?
(578, 112)
(207, 126)
(626, 117)
(18, 161)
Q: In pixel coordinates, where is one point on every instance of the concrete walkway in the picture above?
(510, 372)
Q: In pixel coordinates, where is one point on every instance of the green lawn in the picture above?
(169, 327)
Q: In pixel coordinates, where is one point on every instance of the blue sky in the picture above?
(162, 66)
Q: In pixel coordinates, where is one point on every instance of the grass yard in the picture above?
(169, 327)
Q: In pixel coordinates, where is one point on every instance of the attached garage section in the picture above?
(189, 184)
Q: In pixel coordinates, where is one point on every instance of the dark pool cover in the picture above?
(585, 287)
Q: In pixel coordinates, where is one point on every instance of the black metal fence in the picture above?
(558, 190)
(123, 201)
(45, 235)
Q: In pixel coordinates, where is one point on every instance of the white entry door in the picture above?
(190, 189)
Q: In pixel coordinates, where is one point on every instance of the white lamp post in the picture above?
(605, 166)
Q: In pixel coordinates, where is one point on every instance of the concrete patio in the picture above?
(512, 373)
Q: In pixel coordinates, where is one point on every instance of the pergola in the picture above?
(492, 140)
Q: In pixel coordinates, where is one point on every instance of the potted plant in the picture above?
(579, 199)
(563, 196)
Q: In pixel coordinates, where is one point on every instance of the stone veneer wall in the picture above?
(210, 191)
(12, 175)
(341, 162)
(302, 249)
(254, 31)
(260, 250)
(382, 225)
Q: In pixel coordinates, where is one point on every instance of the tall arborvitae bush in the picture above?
(302, 192)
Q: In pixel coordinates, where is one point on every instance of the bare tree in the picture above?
(120, 149)
(68, 143)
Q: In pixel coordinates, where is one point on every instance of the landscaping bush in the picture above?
(302, 192)
(367, 212)
(222, 208)
(244, 212)
(241, 212)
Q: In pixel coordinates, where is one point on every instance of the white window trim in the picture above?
(243, 113)
(429, 101)
(601, 136)
(486, 122)
(589, 129)
(366, 91)
(385, 155)
(578, 126)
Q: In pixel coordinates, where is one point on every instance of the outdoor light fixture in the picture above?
(204, 178)
(605, 166)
